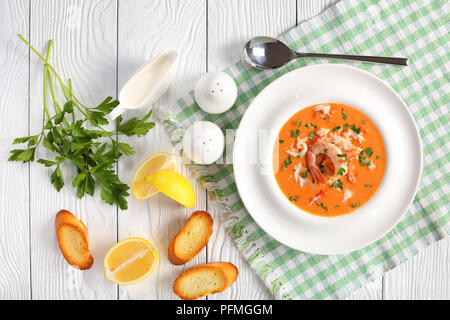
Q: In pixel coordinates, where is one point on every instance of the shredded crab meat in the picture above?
(354, 135)
(347, 195)
(322, 132)
(324, 109)
(298, 179)
(341, 142)
(299, 150)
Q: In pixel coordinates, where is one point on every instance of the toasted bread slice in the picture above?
(192, 238)
(72, 236)
(208, 278)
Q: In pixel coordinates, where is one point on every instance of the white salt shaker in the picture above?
(215, 92)
(203, 142)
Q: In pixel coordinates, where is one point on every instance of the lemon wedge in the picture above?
(130, 261)
(140, 188)
(173, 185)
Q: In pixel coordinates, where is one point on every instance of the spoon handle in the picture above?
(388, 60)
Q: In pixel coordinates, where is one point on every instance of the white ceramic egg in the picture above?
(203, 142)
(215, 92)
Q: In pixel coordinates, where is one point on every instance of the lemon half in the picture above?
(173, 185)
(140, 188)
(130, 261)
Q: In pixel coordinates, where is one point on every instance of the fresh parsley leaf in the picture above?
(337, 184)
(125, 148)
(25, 155)
(33, 139)
(336, 128)
(355, 205)
(368, 151)
(311, 135)
(57, 179)
(59, 117)
(295, 133)
(281, 141)
(135, 126)
(344, 127)
(68, 107)
(286, 162)
(47, 163)
(96, 117)
(355, 129)
(341, 171)
(107, 106)
(344, 115)
(304, 174)
(322, 206)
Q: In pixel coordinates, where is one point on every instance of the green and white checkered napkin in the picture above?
(418, 30)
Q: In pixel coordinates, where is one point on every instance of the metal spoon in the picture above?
(269, 53)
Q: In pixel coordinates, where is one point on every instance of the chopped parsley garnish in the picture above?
(295, 134)
(344, 127)
(344, 115)
(311, 125)
(337, 206)
(281, 141)
(337, 184)
(341, 171)
(364, 122)
(355, 205)
(355, 129)
(368, 185)
(294, 198)
(342, 155)
(364, 161)
(325, 150)
(378, 157)
(368, 151)
(286, 162)
(298, 123)
(336, 128)
(311, 135)
(304, 174)
(326, 118)
(322, 206)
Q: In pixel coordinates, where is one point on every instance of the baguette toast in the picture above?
(73, 241)
(192, 238)
(208, 278)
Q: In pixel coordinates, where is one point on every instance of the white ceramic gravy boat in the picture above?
(148, 84)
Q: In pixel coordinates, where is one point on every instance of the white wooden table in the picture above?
(100, 44)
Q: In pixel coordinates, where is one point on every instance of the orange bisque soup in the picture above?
(329, 159)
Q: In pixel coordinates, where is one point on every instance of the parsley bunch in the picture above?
(76, 134)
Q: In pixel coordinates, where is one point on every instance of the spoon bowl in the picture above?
(269, 53)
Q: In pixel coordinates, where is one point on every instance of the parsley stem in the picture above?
(66, 91)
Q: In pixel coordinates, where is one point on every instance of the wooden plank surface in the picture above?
(14, 177)
(230, 25)
(100, 44)
(84, 49)
(181, 25)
